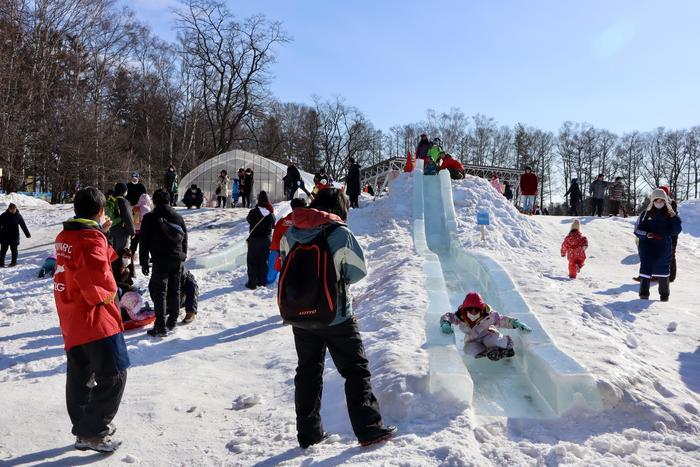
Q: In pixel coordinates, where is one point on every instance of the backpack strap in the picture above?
(326, 232)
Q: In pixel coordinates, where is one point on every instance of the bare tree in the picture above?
(231, 61)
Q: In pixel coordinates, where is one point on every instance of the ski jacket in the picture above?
(574, 246)
(170, 181)
(142, 207)
(280, 229)
(134, 192)
(451, 163)
(9, 228)
(348, 257)
(575, 192)
(261, 221)
(655, 253)
(528, 184)
(84, 288)
(292, 177)
(193, 198)
(597, 189)
(126, 214)
(487, 324)
(248, 181)
(422, 149)
(353, 180)
(154, 244)
(434, 153)
(508, 193)
(222, 185)
(496, 183)
(617, 192)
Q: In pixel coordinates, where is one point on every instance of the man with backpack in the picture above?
(164, 242)
(316, 301)
(120, 211)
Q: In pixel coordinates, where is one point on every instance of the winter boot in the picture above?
(383, 434)
(97, 443)
(157, 332)
(323, 437)
(497, 353)
(189, 317)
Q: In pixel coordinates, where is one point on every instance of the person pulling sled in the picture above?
(479, 324)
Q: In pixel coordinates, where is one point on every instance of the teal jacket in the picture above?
(348, 257)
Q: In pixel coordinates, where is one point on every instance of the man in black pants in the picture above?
(164, 241)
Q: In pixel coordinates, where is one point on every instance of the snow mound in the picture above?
(22, 201)
(507, 228)
(690, 214)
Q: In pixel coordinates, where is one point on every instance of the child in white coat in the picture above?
(479, 324)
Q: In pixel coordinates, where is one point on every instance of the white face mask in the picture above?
(474, 316)
(659, 204)
(134, 180)
(126, 262)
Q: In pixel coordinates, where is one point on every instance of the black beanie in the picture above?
(120, 189)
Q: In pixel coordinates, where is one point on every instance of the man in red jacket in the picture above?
(84, 291)
(528, 189)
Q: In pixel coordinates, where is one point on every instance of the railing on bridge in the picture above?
(379, 175)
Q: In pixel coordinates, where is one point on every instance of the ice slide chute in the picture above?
(233, 255)
(541, 381)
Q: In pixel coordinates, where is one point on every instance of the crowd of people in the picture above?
(311, 250)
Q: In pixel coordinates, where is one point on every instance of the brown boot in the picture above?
(189, 317)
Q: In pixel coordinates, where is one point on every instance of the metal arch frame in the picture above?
(206, 174)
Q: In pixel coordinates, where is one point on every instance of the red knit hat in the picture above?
(473, 300)
(666, 189)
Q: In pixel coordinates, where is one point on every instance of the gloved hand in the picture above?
(145, 270)
(522, 326)
(446, 327)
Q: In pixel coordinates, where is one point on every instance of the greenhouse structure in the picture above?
(268, 175)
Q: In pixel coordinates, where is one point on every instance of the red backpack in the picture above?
(308, 287)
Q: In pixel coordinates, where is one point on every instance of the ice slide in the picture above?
(233, 255)
(541, 381)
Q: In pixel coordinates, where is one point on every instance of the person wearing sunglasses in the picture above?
(480, 327)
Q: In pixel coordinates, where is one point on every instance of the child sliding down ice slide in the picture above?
(478, 323)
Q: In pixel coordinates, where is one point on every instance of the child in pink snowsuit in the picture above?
(479, 324)
(574, 248)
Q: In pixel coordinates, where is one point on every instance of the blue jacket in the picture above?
(348, 257)
(655, 253)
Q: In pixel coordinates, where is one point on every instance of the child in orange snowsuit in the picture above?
(574, 248)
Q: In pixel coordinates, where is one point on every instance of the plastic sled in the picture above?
(272, 274)
(138, 323)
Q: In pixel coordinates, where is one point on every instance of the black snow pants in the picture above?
(345, 346)
(258, 251)
(597, 206)
(91, 407)
(165, 293)
(3, 252)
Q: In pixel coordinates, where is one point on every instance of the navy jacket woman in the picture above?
(655, 229)
(10, 224)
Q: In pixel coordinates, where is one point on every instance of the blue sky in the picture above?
(617, 64)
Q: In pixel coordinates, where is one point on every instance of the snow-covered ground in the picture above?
(220, 392)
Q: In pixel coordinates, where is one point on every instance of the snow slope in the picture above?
(220, 392)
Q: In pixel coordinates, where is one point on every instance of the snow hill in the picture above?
(220, 392)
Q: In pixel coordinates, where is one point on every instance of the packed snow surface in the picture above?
(22, 201)
(221, 392)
